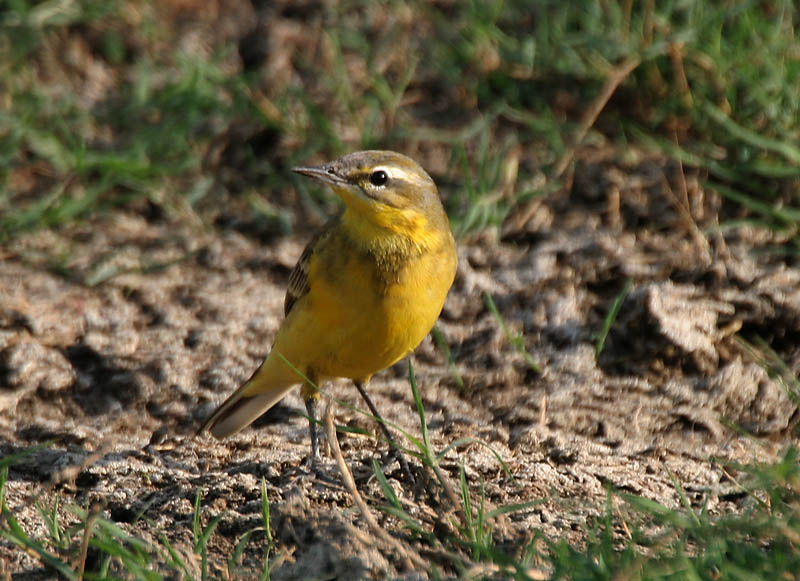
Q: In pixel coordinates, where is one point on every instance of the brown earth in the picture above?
(116, 376)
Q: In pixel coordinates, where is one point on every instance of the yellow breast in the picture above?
(361, 314)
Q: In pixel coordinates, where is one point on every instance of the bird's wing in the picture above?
(298, 280)
(272, 379)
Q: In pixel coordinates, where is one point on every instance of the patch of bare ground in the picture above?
(119, 375)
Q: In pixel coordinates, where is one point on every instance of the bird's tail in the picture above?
(259, 393)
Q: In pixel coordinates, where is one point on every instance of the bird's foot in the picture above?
(408, 470)
(396, 453)
(313, 467)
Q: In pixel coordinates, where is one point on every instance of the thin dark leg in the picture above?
(386, 434)
(311, 410)
(313, 432)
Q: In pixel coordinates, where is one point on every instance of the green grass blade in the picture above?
(265, 519)
(14, 534)
(785, 149)
(782, 214)
(408, 520)
(441, 343)
(175, 559)
(470, 440)
(12, 459)
(426, 444)
(469, 525)
(516, 340)
(514, 507)
(611, 316)
(387, 490)
(196, 517)
(238, 550)
(3, 481)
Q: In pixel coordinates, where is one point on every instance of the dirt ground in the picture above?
(119, 375)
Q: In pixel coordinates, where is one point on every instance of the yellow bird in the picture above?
(365, 292)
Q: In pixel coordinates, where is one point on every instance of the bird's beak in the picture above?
(331, 175)
(326, 174)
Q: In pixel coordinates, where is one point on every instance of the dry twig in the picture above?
(411, 559)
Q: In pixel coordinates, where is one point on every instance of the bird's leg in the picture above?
(311, 399)
(311, 410)
(396, 452)
(310, 393)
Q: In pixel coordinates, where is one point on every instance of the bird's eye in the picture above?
(378, 178)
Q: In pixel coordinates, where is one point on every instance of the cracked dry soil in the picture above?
(119, 375)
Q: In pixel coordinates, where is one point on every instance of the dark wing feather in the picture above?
(298, 280)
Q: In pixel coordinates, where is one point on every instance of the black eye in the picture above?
(378, 178)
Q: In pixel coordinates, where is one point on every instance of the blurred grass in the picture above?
(110, 103)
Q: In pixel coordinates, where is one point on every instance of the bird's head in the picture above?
(387, 189)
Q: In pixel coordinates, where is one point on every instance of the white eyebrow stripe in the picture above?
(390, 171)
(395, 172)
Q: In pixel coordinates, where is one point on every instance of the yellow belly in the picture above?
(351, 325)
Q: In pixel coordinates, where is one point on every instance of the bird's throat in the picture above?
(388, 230)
